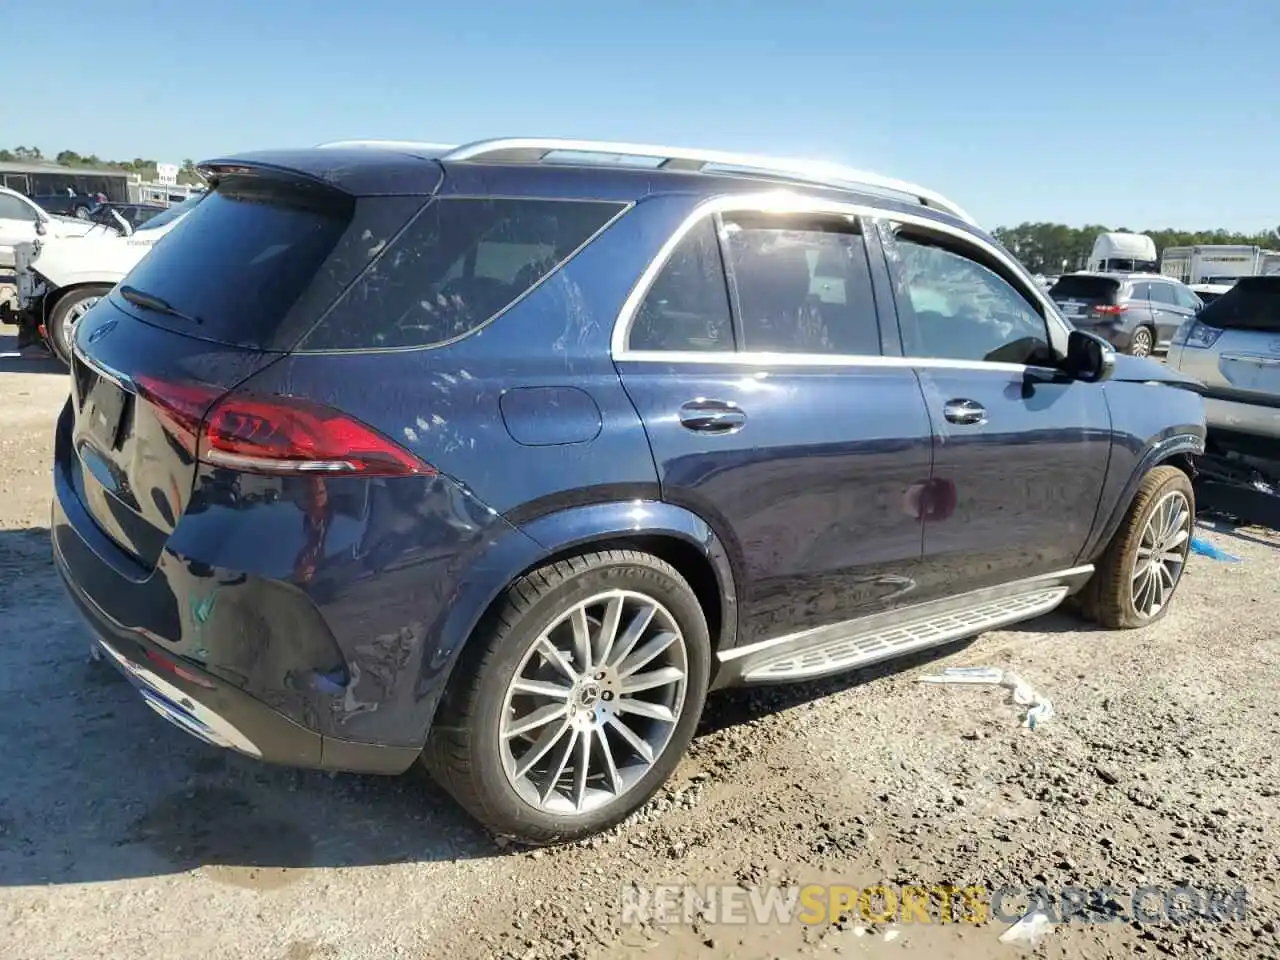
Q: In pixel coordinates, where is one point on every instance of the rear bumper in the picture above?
(1235, 417)
(202, 703)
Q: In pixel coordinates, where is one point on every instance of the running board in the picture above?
(857, 643)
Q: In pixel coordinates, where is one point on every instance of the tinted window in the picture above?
(1162, 293)
(459, 263)
(174, 212)
(1083, 287)
(1252, 304)
(11, 208)
(687, 308)
(955, 308)
(1140, 291)
(803, 285)
(256, 261)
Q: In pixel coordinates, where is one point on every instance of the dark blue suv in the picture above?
(503, 456)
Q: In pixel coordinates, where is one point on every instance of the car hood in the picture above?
(75, 227)
(1145, 370)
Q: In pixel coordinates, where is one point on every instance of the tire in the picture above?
(1117, 596)
(1143, 342)
(470, 757)
(81, 213)
(66, 311)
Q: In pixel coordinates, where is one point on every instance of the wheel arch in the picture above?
(1177, 450)
(665, 530)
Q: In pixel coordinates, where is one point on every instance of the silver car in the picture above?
(1233, 348)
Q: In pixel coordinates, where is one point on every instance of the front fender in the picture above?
(1179, 442)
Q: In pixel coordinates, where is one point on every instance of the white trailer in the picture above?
(1123, 253)
(1218, 263)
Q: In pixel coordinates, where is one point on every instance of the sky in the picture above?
(1128, 114)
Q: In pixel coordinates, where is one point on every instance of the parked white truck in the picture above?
(60, 278)
(1219, 263)
(1123, 253)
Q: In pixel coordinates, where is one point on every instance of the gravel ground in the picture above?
(122, 837)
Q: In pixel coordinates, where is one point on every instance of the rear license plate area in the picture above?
(103, 407)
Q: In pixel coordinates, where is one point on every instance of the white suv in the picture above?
(60, 278)
(22, 221)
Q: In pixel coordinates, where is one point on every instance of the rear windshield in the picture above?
(461, 262)
(1084, 288)
(256, 261)
(1252, 304)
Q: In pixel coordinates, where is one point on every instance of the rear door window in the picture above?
(803, 284)
(461, 262)
(1140, 291)
(1162, 293)
(687, 308)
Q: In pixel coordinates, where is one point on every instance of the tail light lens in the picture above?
(1195, 334)
(1110, 310)
(275, 435)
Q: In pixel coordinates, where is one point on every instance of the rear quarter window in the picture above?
(456, 266)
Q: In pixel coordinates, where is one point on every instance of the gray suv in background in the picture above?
(1138, 312)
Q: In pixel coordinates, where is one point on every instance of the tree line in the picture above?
(1042, 247)
(1052, 247)
(146, 169)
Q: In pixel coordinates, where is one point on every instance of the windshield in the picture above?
(172, 214)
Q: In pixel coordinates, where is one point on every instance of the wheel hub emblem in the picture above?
(588, 695)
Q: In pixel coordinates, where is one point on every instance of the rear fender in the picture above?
(567, 531)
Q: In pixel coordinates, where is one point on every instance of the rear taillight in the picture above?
(1195, 334)
(1110, 310)
(275, 435)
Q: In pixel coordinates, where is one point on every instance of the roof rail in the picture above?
(818, 172)
(422, 147)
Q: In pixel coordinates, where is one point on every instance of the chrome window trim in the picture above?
(789, 202)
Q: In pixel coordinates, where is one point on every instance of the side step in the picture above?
(857, 643)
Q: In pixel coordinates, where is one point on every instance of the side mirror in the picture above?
(41, 229)
(1089, 357)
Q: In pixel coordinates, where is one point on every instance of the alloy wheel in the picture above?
(594, 702)
(1141, 345)
(1162, 554)
(73, 316)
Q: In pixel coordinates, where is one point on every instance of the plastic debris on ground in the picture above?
(1204, 548)
(1029, 929)
(1040, 707)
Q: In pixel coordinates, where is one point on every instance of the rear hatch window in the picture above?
(1252, 304)
(1087, 289)
(254, 263)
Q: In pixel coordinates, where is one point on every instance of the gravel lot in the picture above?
(122, 837)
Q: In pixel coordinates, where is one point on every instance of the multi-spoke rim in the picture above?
(1142, 342)
(77, 310)
(594, 702)
(1162, 554)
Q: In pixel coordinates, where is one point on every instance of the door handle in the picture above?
(712, 416)
(965, 411)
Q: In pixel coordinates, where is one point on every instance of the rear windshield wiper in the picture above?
(150, 302)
